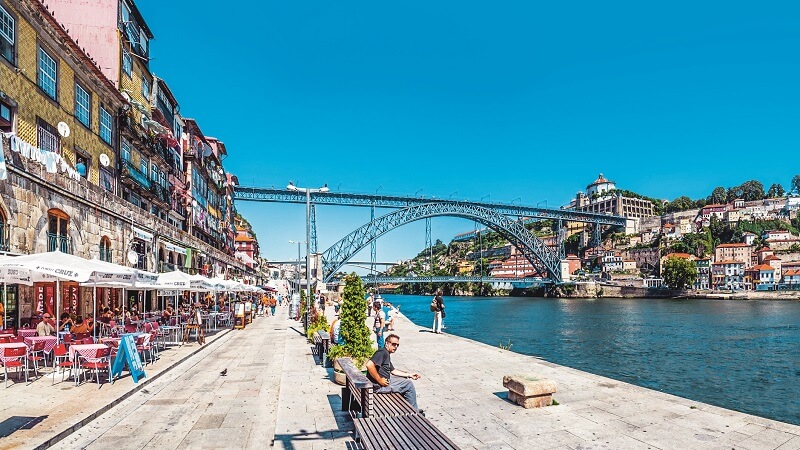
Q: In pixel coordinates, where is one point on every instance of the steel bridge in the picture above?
(514, 282)
(500, 217)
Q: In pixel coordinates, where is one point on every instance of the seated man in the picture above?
(46, 327)
(380, 370)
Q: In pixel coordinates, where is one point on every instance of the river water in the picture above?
(741, 355)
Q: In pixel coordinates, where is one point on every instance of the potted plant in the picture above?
(354, 334)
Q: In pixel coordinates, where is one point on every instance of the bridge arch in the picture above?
(532, 248)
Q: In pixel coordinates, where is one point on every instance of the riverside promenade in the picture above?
(274, 394)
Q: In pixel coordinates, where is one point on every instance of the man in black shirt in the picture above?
(380, 370)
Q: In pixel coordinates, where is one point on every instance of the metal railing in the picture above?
(59, 242)
(136, 174)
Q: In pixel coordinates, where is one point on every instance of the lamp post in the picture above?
(308, 192)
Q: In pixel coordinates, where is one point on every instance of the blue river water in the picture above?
(740, 355)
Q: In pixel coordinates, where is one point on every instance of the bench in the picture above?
(359, 396)
(401, 432)
(322, 343)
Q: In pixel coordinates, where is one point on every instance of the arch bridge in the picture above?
(500, 217)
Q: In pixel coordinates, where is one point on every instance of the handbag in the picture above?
(443, 314)
(433, 305)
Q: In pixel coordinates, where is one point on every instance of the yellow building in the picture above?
(54, 98)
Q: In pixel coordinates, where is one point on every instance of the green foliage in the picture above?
(682, 203)
(679, 273)
(776, 190)
(718, 196)
(796, 184)
(506, 346)
(658, 205)
(353, 318)
(749, 191)
(318, 322)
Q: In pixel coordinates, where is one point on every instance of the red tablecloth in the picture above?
(85, 350)
(12, 345)
(26, 332)
(49, 342)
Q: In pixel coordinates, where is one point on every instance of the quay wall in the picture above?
(602, 290)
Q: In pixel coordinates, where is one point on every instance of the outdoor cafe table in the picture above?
(26, 332)
(6, 335)
(110, 339)
(49, 342)
(85, 350)
(172, 330)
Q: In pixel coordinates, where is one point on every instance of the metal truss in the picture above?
(533, 249)
(245, 193)
(458, 279)
(313, 229)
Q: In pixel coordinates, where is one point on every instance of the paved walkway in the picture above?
(274, 394)
(37, 412)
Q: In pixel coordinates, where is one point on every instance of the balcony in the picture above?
(160, 192)
(129, 170)
(58, 242)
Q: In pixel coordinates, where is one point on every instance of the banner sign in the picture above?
(127, 354)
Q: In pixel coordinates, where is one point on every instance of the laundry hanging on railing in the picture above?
(51, 160)
(3, 169)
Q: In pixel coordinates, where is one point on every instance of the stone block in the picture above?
(527, 385)
(533, 401)
(529, 391)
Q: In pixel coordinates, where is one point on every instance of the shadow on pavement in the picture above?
(15, 423)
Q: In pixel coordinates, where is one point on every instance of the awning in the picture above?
(141, 234)
(174, 248)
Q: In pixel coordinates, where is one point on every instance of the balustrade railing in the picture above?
(59, 242)
(136, 174)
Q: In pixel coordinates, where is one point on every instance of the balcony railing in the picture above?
(59, 242)
(160, 192)
(137, 175)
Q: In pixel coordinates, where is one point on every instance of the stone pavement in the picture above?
(34, 413)
(275, 394)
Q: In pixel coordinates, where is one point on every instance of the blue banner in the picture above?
(127, 354)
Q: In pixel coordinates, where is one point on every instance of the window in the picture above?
(143, 166)
(145, 89)
(47, 137)
(83, 104)
(82, 163)
(106, 179)
(143, 41)
(105, 125)
(105, 249)
(57, 237)
(125, 151)
(6, 117)
(127, 64)
(48, 74)
(6, 35)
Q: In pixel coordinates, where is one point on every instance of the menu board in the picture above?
(127, 354)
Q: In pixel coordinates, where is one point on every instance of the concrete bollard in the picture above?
(529, 391)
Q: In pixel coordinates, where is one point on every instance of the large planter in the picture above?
(338, 375)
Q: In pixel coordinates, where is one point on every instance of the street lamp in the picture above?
(308, 192)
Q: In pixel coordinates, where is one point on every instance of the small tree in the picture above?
(679, 273)
(353, 319)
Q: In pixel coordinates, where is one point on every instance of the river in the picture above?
(741, 355)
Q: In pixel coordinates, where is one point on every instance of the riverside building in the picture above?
(93, 159)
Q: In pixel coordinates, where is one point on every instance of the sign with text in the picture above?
(128, 355)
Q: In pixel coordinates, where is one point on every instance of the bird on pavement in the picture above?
(224, 372)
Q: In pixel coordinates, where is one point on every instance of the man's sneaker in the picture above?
(421, 413)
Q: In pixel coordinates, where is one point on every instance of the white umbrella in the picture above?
(63, 266)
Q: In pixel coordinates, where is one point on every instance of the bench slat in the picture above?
(403, 432)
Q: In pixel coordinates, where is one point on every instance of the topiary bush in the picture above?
(353, 318)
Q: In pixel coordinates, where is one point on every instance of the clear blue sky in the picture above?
(463, 98)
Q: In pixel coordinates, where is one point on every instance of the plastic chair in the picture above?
(17, 339)
(14, 357)
(98, 363)
(87, 340)
(67, 339)
(36, 354)
(60, 352)
(82, 336)
(143, 345)
(4, 340)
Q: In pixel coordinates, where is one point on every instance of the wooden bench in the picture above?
(359, 396)
(401, 432)
(322, 343)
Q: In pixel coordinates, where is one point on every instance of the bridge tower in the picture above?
(561, 235)
(373, 250)
(429, 244)
(313, 228)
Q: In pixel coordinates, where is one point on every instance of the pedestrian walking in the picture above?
(437, 307)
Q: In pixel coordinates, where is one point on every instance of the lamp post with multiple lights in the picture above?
(308, 192)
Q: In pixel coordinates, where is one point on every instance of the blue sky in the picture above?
(514, 99)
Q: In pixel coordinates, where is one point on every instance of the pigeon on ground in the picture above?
(224, 372)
